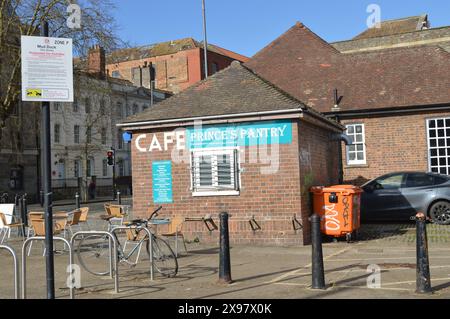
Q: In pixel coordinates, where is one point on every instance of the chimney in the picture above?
(97, 61)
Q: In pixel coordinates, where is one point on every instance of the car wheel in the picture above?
(440, 213)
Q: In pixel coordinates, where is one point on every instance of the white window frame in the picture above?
(437, 147)
(216, 190)
(363, 143)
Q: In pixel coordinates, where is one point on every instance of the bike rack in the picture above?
(254, 224)
(296, 224)
(16, 269)
(139, 228)
(113, 259)
(24, 258)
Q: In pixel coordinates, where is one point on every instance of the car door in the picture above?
(418, 191)
(382, 199)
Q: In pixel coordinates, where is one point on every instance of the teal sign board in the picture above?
(162, 182)
(239, 134)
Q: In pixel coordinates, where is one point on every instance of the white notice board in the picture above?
(47, 69)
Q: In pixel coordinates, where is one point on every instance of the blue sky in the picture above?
(246, 26)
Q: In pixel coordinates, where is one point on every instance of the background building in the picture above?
(84, 131)
(176, 64)
(390, 87)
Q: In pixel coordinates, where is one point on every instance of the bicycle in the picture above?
(93, 250)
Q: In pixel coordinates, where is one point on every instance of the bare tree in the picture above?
(23, 17)
(93, 118)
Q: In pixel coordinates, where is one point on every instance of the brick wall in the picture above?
(273, 199)
(318, 165)
(174, 72)
(394, 143)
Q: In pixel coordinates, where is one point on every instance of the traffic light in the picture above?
(110, 155)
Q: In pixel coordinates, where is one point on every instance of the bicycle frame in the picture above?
(150, 236)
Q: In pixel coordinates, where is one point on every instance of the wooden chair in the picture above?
(175, 231)
(84, 217)
(5, 228)
(38, 225)
(114, 213)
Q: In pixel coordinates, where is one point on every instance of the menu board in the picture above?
(162, 182)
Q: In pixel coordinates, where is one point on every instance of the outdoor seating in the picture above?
(5, 228)
(114, 214)
(175, 231)
(38, 226)
(84, 218)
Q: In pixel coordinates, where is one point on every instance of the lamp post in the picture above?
(205, 39)
(47, 183)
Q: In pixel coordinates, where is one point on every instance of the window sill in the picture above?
(215, 193)
(356, 166)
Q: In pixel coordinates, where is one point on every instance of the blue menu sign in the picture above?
(162, 182)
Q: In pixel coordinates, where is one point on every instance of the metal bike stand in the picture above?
(113, 259)
(24, 258)
(139, 228)
(16, 269)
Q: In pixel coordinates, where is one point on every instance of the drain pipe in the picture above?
(346, 139)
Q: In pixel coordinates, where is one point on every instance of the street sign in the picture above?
(47, 69)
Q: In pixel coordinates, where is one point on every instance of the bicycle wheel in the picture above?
(164, 258)
(93, 254)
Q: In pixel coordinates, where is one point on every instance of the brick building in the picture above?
(390, 87)
(176, 64)
(256, 154)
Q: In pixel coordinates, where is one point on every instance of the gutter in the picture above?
(387, 112)
(211, 117)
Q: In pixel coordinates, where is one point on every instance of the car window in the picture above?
(438, 180)
(390, 182)
(419, 180)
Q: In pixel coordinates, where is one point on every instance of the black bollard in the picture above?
(77, 200)
(224, 254)
(25, 212)
(119, 198)
(41, 198)
(423, 281)
(318, 274)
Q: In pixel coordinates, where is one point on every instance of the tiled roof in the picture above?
(397, 26)
(305, 66)
(166, 48)
(234, 90)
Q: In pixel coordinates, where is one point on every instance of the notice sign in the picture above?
(47, 69)
(162, 182)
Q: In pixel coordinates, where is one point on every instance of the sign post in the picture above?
(47, 76)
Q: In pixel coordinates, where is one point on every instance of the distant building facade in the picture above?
(176, 65)
(84, 131)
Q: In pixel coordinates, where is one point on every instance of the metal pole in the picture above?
(423, 281)
(119, 198)
(77, 200)
(318, 275)
(47, 182)
(224, 254)
(114, 173)
(205, 39)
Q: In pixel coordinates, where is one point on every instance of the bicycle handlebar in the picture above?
(138, 222)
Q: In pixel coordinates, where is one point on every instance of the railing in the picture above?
(16, 269)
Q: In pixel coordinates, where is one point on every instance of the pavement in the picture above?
(262, 272)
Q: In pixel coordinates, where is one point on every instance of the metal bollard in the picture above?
(224, 254)
(24, 214)
(119, 198)
(423, 281)
(41, 198)
(318, 274)
(77, 200)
